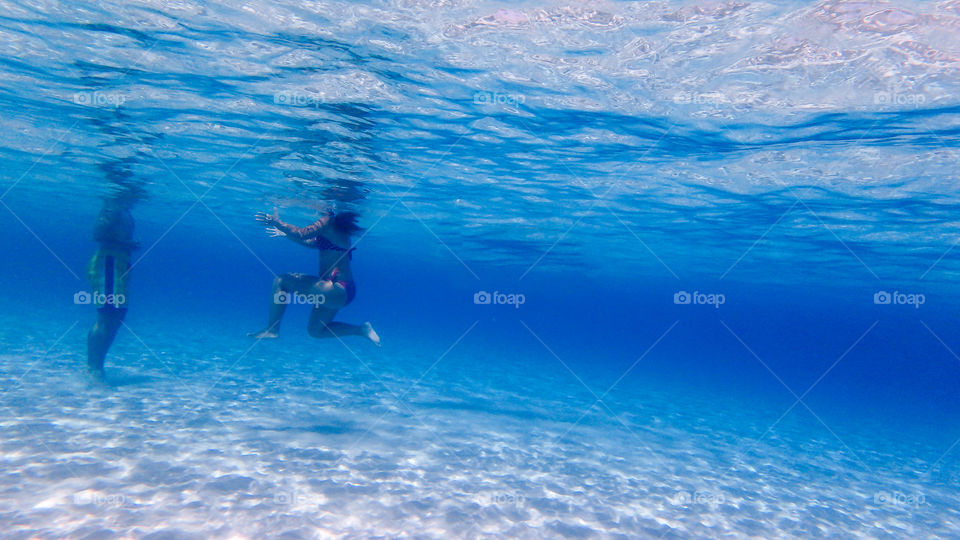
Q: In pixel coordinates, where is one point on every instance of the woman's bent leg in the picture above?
(322, 326)
(282, 285)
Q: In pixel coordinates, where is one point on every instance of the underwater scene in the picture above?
(479, 269)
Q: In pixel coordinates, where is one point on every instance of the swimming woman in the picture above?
(328, 293)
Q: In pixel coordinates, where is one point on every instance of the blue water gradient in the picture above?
(788, 169)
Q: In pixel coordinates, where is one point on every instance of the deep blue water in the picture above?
(795, 162)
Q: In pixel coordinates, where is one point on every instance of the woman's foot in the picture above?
(266, 334)
(371, 334)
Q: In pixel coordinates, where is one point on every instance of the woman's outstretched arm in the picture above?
(301, 235)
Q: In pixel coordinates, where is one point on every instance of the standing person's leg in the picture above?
(108, 276)
(101, 336)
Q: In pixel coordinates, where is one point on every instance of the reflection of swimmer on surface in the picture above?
(328, 293)
(109, 274)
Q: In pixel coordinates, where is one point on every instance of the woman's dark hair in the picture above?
(346, 222)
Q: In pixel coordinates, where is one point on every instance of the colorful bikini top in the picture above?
(324, 244)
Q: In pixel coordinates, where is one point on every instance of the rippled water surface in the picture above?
(796, 160)
(502, 128)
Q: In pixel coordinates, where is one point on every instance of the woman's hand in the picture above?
(267, 219)
(275, 232)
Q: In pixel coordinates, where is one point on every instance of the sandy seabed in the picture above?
(184, 443)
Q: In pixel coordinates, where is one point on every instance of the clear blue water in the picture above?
(794, 162)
